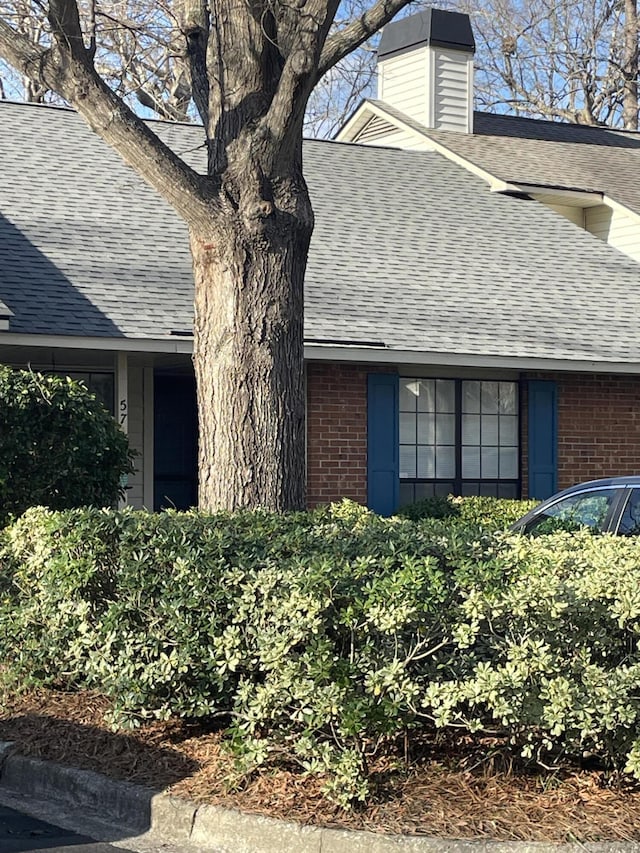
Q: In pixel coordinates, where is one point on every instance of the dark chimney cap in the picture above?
(432, 26)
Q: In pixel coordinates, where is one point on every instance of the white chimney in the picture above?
(425, 69)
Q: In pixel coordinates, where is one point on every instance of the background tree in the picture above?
(574, 60)
(253, 66)
(139, 51)
(141, 54)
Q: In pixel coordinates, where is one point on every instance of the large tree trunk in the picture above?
(248, 354)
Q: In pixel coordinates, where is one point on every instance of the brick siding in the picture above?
(336, 432)
(598, 429)
(598, 426)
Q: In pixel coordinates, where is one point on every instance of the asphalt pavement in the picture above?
(20, 833)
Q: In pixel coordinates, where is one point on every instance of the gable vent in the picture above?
(375, 128)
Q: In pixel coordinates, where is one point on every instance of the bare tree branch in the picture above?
(356, 33)
(65, 24)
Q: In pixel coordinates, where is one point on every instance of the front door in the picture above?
(175, 442)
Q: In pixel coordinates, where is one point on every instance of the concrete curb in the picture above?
(181, 822)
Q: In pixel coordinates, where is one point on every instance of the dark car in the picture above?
(606, 506)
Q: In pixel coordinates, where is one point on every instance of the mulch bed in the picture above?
(450, 790)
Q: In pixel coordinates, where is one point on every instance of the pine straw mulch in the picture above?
(451, 790)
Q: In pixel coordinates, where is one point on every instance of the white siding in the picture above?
(403, 82)
(136, 435)
(616, 228)
(451, 95)
(574, 214)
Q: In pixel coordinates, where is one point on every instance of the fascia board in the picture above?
(378, 355)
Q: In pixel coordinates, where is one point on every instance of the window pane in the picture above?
(469, 489)
(471, 462)
(426, 397)
(470, 396)
(509, 463)
(508, 398)
(102, 385)
(407, 429)
(445, 462)
(445, 395)
(443, 489)
(426, 462)
(423, 490)
(409, 390)
(508, 430)
(508, 490)
(406, 494)
(407, 460)
(587, 509)
(488, 490)
(490, 430)
(490, 397)
(445, 429)
(489, 463)
(471, 429)
(426, 429)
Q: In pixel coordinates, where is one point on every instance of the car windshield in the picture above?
(584, 509)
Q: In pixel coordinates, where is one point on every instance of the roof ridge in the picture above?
(572, 124)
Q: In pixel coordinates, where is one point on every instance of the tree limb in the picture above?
(353, 35)
(75, 79)
(195, 28)
(298, 77)
(65, 25)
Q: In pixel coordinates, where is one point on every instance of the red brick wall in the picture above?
(598, 426)
(598, 429)
(336, 432)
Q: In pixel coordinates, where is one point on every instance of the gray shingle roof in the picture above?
(409, 250)
(531, 151)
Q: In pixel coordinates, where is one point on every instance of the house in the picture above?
(471, 299)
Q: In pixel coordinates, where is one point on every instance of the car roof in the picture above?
(629, 480)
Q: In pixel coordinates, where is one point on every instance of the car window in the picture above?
(585, 509)
(630, 521)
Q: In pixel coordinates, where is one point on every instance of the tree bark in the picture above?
(248, 353)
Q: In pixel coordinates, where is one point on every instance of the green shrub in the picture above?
(435, 507)
(550, 659)
(314, 629)
(325, 634)
(494, 513)
(59, 447)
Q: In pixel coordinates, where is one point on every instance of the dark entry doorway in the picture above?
(175, 442)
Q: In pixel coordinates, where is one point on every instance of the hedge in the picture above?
(324, 635)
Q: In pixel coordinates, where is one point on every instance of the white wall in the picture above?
(574, 214)
(403, 82)
(135, 493)
(616, 228)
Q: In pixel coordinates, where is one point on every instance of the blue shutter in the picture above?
(543, 439)
(383, 447)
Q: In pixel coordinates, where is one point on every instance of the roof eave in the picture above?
(388, 355)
